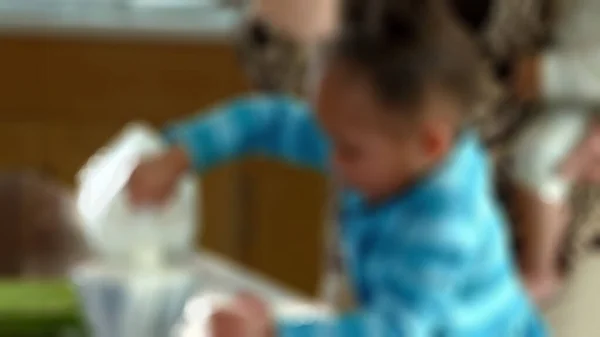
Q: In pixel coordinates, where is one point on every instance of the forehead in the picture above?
(344, 97)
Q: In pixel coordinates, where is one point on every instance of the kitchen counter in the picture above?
(214, 273)
(121, 302)
(234, 278)
(211, 22)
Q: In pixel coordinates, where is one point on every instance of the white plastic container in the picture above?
(120, 302)
(114, 229)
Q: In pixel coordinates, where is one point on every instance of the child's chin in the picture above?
(363, 189)
(369, 191)
(383, 193)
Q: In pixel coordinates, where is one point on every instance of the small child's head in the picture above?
(399, 83)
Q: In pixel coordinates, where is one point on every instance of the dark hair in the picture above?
(503, 38)
(405, 45)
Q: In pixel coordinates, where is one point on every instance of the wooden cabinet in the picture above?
(287, 208)
(21, 144)
(67, 145)
(63, 97)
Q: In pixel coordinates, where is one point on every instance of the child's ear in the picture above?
(438, 137)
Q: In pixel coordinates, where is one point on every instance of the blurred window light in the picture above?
(134, 4)
(212, 18)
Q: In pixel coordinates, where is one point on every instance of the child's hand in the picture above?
(542, 288)
(153, 181)
(583, 163)
(248, 316)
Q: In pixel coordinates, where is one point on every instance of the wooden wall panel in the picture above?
(69, 145)
(21, 145)
(84, 80)
(287, 209)
(61, 98)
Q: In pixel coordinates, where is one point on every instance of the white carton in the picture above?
(116, 230)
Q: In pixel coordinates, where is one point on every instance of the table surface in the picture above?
(233, 275)
(215, 274)
(285, 303)
(34, 306)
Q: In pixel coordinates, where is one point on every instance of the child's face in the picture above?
(375, 150)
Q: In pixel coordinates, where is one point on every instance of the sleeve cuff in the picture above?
(168, 136)
(179, 136)
(289, 329)
(351, 325)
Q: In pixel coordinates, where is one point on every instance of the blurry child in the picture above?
(531, 143)
(421, 234)
(565, 79)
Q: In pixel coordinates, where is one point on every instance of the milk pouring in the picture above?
(138, 281)
(115, 230)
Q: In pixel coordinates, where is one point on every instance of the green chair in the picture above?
(40, 309)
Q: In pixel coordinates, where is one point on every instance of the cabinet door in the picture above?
(285, 208)
(21, 145)
(70, 145)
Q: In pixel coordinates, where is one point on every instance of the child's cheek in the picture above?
(363, 177)
(347, 174)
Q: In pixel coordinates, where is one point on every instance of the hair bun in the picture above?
(403, 20)
(390, 21)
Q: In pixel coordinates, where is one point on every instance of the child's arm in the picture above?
(275, 126)
(417, 283)
(569, 82)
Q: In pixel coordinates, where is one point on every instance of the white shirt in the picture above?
(570, 89)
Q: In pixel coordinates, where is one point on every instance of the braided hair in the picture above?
(404, 46)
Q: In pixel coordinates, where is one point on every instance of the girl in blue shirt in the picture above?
(422, 238)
